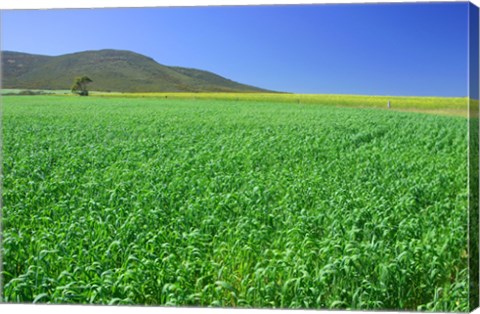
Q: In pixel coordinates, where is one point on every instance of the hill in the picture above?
(110, 70)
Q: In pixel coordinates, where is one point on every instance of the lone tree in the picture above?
(80, 85)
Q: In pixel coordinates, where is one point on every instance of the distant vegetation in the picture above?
(26, 93)
(438, 105)
(111, 70)
(435, 105)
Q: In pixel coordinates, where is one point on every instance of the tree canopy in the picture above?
(80, 85)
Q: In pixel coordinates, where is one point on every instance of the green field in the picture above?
(240, 202)
(434, 105)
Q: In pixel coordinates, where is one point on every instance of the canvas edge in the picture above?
(473, 155)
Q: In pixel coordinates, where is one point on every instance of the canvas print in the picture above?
(266, 156)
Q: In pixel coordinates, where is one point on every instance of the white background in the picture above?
(45, 4)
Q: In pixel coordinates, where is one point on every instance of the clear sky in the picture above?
(376, 49)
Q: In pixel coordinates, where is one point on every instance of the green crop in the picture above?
(233, 203)
(438, 105)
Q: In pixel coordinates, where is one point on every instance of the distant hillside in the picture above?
(110, 70)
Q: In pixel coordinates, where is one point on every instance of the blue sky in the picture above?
(375, 49)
